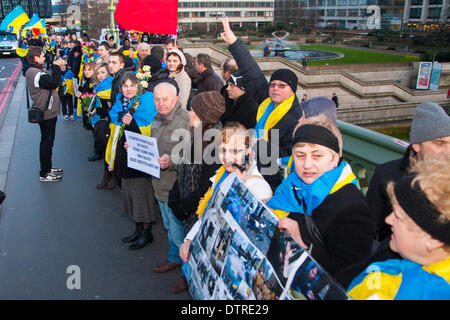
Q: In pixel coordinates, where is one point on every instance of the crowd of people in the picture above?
(402, 225)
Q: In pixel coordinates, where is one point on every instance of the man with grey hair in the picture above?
(171, 116)
(429, 135)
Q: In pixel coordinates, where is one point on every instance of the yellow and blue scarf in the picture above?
(402, 280)
(144, 115)
(102, 91)
(204, 203)
(268, 116)
(284, 201)
(85, 59)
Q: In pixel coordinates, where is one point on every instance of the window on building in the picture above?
(435, 1)
(322, 3)
(353, 2)
(341, 12)
(331, 12)
(341, 2)
(434, 13)
(331, 2)
(353, 12)
(415, 13)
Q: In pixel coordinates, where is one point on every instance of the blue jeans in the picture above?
(175, 231)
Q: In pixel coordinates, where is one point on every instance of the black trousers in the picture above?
(45, 147)
(67, 104)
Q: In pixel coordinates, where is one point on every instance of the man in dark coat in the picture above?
(281, 90)
(430, 134)
(207, 79)
(243, 108)
(116, 65)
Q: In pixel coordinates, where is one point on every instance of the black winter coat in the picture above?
(346, 224)
(242, 110)
(258, 88)
(377, 197)
(208, 80)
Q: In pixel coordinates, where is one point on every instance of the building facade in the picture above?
(343, 14)
(354, 14)
(424, 14)
(206, 15)
(42, 7)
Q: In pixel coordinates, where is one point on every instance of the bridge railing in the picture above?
(364, 149)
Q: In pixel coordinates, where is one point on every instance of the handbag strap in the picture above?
(48, 98)
(310, 225)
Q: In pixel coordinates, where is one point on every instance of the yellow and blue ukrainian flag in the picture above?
(35, 23)
(397, 279)
(22, 50)
(67, 83)
(14, 20)
(144, 116)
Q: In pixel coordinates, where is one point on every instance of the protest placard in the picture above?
(142, 153)
(239, 254)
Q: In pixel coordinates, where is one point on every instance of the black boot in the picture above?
(132, 237)
(145, 237)
(106, 178)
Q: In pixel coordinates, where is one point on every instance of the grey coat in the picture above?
(162, 130)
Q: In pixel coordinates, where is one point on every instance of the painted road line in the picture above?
(4, 95)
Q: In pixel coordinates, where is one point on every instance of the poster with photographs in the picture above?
(239, 254)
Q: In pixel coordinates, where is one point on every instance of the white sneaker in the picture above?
(66, 117)
(50, 178)
(56, 171)
(72, 117)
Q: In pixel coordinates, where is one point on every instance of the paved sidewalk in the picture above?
(47, 227)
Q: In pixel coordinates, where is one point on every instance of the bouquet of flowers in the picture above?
(86, 100)
(142, 85)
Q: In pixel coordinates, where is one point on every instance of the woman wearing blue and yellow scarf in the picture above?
(137, 191)
(420, 223)
(319, 203)
(99, 118)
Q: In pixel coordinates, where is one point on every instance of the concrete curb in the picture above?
(8, 132)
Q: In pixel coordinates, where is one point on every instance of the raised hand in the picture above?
(228, 36)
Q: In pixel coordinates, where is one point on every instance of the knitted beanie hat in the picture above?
(430, 122)
(153, 62)
(208, 106)
(319, 105)
(417, 206)
(286, 76)
(180, 54)
(238, 80)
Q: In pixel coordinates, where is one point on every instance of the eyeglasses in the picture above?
(277, 84)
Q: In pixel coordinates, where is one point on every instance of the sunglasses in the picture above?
(277, 84)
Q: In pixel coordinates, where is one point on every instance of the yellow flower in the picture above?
(148, 75)
(140, 76)
(144, 84)
(146, 68)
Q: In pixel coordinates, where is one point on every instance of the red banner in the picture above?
(155, 16)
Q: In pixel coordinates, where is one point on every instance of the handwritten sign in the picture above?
(142, 153)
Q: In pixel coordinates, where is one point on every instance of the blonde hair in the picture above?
(433, 177)
(323, 121)
(98, 67)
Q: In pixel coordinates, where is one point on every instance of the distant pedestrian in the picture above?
(304, 62)
(335, 99)
(305, 96)
(2, 196)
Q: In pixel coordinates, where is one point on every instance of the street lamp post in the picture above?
(113, 30)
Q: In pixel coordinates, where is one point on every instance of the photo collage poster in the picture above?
(239, 254)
